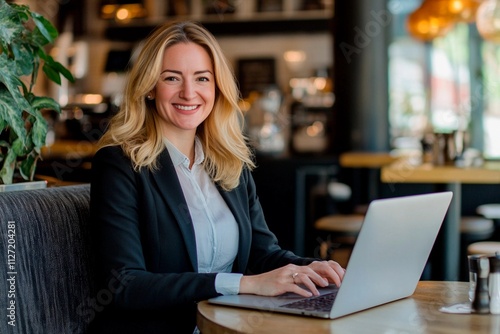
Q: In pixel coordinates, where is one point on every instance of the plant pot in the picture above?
(23, 186)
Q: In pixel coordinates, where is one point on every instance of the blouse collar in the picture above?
(178, 158)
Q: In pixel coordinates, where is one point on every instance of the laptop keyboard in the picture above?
(321, 303)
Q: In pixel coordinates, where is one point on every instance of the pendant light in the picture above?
(464, 10)
(429, 21)
(457, 10)
(488, 20)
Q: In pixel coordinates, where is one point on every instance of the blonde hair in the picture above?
(136, 127)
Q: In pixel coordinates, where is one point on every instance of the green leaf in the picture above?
(52, 74)
(21, 11)
(27, 166)
(9, 29)
(44, 102)
(9, 164)
(36, 38)
(23, 129)
(46, 28)
(12, 82)
(23, 58)
(11, 114)
(39, 131)
(64, 71)
(18, 148)
(56, 66)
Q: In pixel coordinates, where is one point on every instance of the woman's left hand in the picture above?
(329, 270)
(302, 280)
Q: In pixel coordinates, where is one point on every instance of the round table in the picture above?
(416, 314)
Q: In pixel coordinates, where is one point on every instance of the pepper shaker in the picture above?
(481, 302)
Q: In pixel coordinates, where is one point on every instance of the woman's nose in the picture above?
(187, 90)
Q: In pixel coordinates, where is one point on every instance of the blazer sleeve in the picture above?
(123, 231)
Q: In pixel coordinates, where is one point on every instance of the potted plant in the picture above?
(23, 129)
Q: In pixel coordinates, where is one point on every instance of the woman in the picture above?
(176, 211)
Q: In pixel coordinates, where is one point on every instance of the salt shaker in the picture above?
(494, 283)
(481, 302)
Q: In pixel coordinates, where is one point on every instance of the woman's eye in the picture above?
(170, 79)
(205, 79)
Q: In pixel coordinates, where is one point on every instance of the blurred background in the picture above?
(319, 78)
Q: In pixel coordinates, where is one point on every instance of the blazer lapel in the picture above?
(170, 188)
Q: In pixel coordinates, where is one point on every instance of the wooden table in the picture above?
(359, 159)
(70, 149)
(416, 314)
(452, 177)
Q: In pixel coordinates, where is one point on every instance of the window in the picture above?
(491, 101)
(430, 86)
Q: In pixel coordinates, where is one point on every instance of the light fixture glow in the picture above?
(488, 20)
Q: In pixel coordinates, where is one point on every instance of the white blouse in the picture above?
(214, 225)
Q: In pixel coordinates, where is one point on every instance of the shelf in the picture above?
(132, 32)
(290, 25)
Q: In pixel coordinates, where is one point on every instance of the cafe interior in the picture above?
(345, 102)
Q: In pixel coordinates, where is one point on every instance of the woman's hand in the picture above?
(287, 278)
(330, 270)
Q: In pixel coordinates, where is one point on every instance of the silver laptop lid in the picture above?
(386, 263)
(391, 251)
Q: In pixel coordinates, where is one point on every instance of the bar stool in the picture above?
(483, 247)
(491, 211)
(341, 229)
(473, 229)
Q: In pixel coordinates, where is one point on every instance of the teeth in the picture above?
(185, 107)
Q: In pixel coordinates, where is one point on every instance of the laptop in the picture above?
(385, 265)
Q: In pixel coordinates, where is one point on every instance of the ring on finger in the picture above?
(293, 276)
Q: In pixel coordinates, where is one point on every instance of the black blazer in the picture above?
(146, 248)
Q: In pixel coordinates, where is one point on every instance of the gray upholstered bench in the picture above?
(46, 275)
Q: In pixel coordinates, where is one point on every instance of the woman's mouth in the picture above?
(185, 108)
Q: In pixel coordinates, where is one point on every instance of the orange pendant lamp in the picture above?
(430, 20)
(457, 10)
(434, 18)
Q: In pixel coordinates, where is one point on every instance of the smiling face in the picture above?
(185, 91)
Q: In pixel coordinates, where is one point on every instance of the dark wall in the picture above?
(360, 75)
(292, 192)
